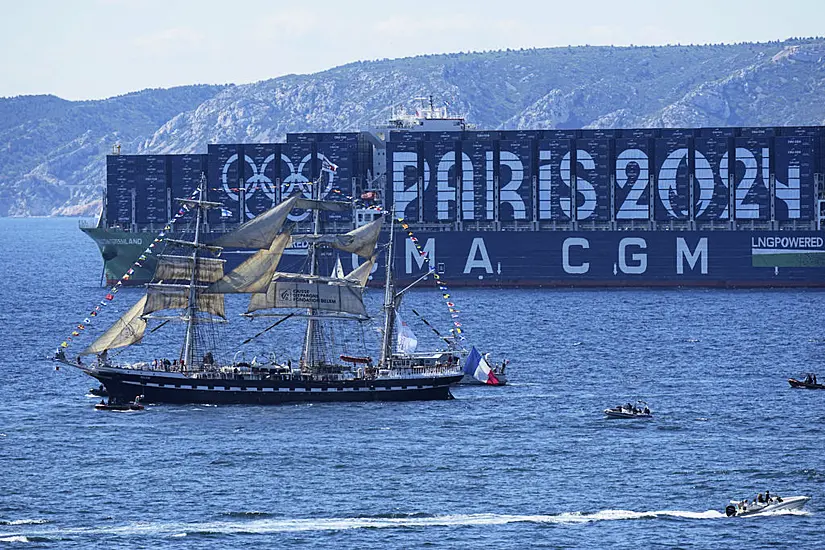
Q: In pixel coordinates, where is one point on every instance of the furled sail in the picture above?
(358, 276)
(329, 206)
(332, 298)
(125, 331)
(161, 297)
(407, 341)
(208, 270)
(359, 241)
(260, 231)
(255, 274)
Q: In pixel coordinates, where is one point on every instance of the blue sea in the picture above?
(531, 465)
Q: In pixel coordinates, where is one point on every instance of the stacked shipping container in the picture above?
(704, 176)
(665, 175)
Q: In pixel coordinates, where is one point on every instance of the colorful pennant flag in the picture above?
(126, 276)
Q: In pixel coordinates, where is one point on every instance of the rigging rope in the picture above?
(150, 250)
(442, 284)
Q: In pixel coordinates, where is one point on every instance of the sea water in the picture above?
(532, 464)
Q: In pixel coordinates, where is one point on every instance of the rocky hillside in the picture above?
(52, 150)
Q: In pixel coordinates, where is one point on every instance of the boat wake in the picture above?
(24, 522)
(257, 523)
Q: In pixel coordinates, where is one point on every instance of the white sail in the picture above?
(125, 331)
(255, 274)
(161, 297)
(338, 270)
(407, 341)
(209, 270)
(332, 298)
(361, 274)
(260, 231)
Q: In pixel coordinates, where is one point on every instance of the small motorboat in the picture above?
(809, 383)
(501, 379)
(770, 504)
(481, 370)
(639, 410)
(120, 406)
(99, 391)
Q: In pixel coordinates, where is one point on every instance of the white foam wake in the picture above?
(24, 522)
(271, 525)
(15, 538)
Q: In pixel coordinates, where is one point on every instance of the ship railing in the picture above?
(421, 372)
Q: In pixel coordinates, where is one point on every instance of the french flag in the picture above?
(477, 367)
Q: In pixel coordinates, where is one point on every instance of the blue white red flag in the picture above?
(477, 367)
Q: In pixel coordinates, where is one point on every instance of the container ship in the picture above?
(643, 207)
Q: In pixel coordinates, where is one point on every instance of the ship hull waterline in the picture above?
(156, 388)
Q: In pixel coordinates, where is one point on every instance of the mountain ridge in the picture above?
(52, 151)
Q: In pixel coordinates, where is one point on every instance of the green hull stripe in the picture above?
(801, 259)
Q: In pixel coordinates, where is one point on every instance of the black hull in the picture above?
(805, 385)
(163, 389)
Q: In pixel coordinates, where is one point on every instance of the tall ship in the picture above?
(643, 207)
(189, 287)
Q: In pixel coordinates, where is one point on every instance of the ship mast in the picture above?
(389, 302)
(310, 355)
(189, 343)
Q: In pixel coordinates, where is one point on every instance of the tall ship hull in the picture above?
(154, 387)
(649, 207)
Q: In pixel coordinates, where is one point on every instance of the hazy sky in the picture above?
(85, 49)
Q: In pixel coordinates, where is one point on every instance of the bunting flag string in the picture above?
(110, 295)
(442, 284)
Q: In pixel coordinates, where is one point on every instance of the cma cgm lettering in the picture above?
(718, 258)
(621, 207)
